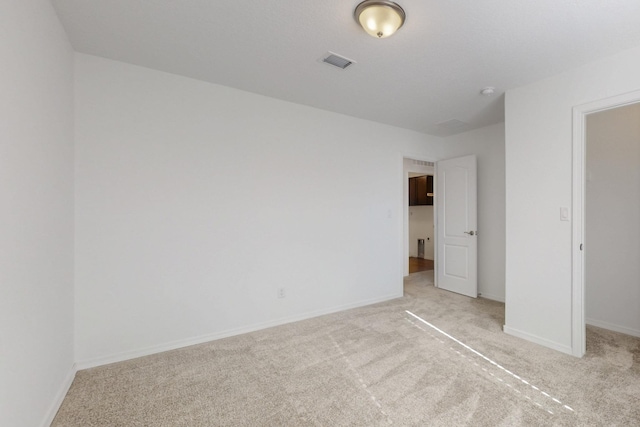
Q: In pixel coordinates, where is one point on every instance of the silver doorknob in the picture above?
(471, 233)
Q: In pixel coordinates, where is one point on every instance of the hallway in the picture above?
(419, 264)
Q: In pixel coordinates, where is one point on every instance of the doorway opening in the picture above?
(419, 216)
(606, 205)
(455, 222)
(421, 224)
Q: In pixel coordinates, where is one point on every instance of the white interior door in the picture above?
(457, 244)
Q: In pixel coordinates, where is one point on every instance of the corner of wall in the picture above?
(59, 397)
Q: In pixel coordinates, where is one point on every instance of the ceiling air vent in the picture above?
(337, 60)
(422, 163)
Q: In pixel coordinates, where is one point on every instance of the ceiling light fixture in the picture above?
(379, 18)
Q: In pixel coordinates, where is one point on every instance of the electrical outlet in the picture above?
(281, 293)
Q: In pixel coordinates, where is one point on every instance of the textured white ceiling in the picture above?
(430, 71)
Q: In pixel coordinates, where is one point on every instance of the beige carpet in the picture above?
(372, 366)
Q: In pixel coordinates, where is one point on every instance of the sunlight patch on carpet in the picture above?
(537, 391)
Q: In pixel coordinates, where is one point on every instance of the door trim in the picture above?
(579, 143)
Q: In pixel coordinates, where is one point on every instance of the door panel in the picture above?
(456, 261)
(456, 201)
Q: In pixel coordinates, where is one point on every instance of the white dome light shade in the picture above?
(380, 18)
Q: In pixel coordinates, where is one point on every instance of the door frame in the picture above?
(405, 212)
(578, 238)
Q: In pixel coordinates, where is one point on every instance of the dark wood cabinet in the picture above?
(419, 187)
(421, 190)
(412, 191)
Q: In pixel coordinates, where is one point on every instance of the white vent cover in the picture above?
(422, 163)
(337, 60)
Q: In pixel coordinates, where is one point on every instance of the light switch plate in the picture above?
(564, 214)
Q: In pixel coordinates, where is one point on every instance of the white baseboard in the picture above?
(492, 297)
(119, 357)
(60, 395)
(538, 340)
(613, 327)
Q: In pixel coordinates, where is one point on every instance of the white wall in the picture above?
(421, 227)
(538, 182)
(612, 229)
(196, 202)
(36, 189)
(488, 146)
